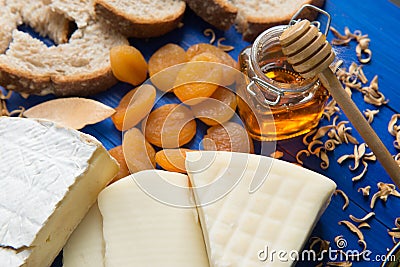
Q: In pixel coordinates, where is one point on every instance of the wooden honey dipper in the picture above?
(310, 55)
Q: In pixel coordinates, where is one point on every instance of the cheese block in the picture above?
(85, 247)
(251, 205)
(50, 177)
(141, 231)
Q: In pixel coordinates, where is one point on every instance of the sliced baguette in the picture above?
(252, 17)
(141, 19)
(79, 67)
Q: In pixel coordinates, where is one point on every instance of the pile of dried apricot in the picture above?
(197, 78)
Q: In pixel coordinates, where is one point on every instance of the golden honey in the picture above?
(274, 101)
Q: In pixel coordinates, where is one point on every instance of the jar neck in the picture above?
(268, 63)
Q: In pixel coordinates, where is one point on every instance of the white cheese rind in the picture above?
(140, 231)
(85, 247)
(279, 215)
(50, 178)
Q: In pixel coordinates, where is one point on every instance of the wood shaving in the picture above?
(394, 130)
(346, 198)
(209, 32)
(397, 223)
(365, 190)
(384, 191)
(276, 155)
(361, 76)
(24, 95)
(337, 238)
(301, 152)
(324, 160)
(361, 175)
(372, 95)
(337, 132)
(3, 106)
(223, 47)
(321, 132)
(370, 114)
(73, 112)
(364, 225)
(358, 156)
(392, 127)
(340, 264)
(394, 234)
(352, 228)
(397, 158)
(364, 54)
(337, 34)
(330, 109)
(314, 143)
(305, 141)
(344, 157)
(364, 244)
(363, 219)
(318, 245)
(330, 144)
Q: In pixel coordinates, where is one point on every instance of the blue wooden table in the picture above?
(381, 21)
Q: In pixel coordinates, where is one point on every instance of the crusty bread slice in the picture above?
(253, 16)
(220, 13)
(141, 18)
(256, 16)
(79, 67)
(9, 19)
(44, 20)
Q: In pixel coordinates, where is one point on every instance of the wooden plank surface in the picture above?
(380, 20)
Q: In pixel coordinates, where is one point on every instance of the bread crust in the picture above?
(59, 85)
(136, 27)
(82, 81)
(219, 13)
(255, 25)
(222, 15)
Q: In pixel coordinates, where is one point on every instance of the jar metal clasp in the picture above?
(294, 19)
(255, 81)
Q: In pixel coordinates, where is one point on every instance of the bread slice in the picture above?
(9, 18)
(78, 67)
(220, 13)
(141, 18)
(45, 21)
(252, 16)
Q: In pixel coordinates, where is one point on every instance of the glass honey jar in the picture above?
(274, 101)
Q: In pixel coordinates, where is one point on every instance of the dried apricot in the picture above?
(224, 58)
(172, 159)
(165, 57)
(128, 64)
(198, 79)
(134, 106)
(118, 154)
(139, 154)
(228, 136)
(169, 126)
(217, 109)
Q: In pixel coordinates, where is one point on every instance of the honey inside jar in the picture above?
(294, 104)
(284, 76)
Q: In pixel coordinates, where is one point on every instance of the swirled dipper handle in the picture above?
(310, 54)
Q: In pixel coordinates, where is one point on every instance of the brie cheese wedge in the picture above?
(50, 177)
(251, 205)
